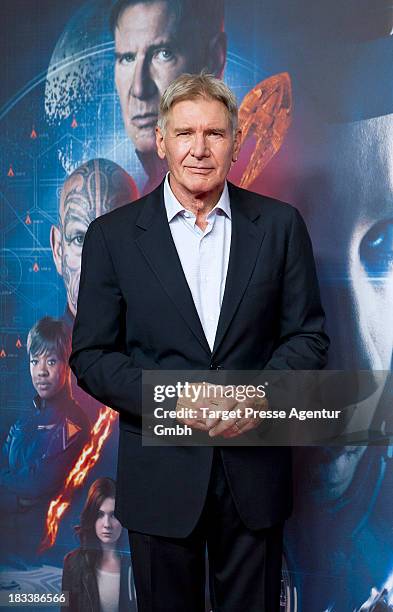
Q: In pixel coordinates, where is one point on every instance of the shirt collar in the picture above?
(173, 206)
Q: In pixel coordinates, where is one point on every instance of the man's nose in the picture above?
(199, 147)
(142, 85)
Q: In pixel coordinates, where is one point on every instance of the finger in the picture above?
(241, 426)
(208, 421)
(194, 423)
(221, 427)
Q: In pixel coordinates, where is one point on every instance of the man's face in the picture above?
(199, 145)
(92, 190)
(48, 374)
(150, 54)
(76, 214)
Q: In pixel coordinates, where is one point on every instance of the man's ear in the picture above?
(57, 251)
(237, 144)
(160, 143)
(217, 54)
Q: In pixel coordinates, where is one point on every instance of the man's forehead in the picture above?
(198, 112)
(78, 200)
(145, 24)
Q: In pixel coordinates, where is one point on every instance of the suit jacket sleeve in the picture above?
(98, 358)
(302, 342)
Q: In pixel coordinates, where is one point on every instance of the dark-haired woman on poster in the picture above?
(98, 575)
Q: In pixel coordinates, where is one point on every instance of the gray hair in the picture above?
(191, 86)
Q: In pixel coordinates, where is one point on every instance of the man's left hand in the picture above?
(232, 428)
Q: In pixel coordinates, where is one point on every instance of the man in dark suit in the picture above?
(198, 275)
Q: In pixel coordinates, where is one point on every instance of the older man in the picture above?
(198, 275)
(155, 42)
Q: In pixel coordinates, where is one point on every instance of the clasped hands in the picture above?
(219, 415)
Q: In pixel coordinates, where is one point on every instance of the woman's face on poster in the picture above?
(107, 527)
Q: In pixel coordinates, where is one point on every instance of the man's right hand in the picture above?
(200, 422)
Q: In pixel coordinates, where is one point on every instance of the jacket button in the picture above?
(214, 366)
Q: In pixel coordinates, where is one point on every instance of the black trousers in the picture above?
(244, 565)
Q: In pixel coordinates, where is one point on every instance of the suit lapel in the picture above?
(156, 244)
(246, 241)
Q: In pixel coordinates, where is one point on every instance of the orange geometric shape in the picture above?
(71, 429)
(28, 219)
(265, 113)
(36, 267)
(33, 134)
(74, 123)
(3, 354)
(18, 343)
(10, 172)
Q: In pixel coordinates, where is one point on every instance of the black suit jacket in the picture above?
(135, 311)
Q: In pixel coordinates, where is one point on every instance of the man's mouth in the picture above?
(146, 120)
(197, 170)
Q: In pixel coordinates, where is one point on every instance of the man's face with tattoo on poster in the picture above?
(95, 188)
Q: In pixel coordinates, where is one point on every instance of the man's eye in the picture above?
(78, 239)
(164, 55)
(127, 58)
(376, 249)
(51, 362)
(34, 361)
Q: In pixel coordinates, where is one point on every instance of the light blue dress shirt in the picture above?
(203, 254)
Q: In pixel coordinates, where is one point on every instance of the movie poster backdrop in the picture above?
(78, 106)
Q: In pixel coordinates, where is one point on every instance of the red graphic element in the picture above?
(3, 353)
(33, 134)
(36, 267)
(134, 189)
(87, 459)
(10, 172)
(18, 343)
(28, 219)
(72, 429)
(74, 123)
(266, 114)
